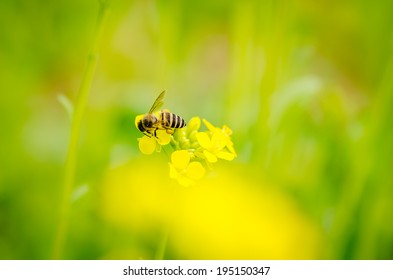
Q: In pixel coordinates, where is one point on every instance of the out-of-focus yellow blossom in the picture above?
(233, 215)
(148, 145)
(184, 171)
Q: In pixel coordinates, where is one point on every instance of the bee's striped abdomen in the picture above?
(180, 122)
(171, 120)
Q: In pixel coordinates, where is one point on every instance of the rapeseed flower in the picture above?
(216, 143)
(193, 150)
(147, 145)
(183, 170)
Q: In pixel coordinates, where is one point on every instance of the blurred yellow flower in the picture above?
(232, 215)
(147, 145)
(184, 171)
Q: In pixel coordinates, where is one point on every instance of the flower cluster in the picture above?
(193, 150)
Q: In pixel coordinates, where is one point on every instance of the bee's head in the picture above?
(149, 120)
(143, 122)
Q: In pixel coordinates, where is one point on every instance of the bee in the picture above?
(149, 123)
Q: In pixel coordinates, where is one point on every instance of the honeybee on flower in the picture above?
(192, 150)
(157, 125)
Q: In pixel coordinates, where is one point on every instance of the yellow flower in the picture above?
(148, 145)
(184, 171)
(190, 146)
(217, 143)
(226, 131)
(193, 125)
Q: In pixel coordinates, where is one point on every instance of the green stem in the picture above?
(71, 160)
(160, 253)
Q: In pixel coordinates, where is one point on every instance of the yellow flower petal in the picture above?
(209, 126)
(163, 138)
(227, 131)
(173, 172)
(147, 145)
(192, 137)
(137, 119)
(219, 140)
(231, 148)
(204, 140)
(210, 157)
(225, 155)
(195, 170)
(180, 159)
(193, 125)
(185, 182)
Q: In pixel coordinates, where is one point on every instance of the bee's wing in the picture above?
(158, 103)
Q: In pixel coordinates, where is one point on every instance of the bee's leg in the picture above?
(147, 134)
(170, 130)
(154, 133)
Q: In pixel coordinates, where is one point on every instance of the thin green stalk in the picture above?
(160, 253)
(167, 225)
(71, 160)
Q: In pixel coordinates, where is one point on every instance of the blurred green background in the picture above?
(306, 87)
